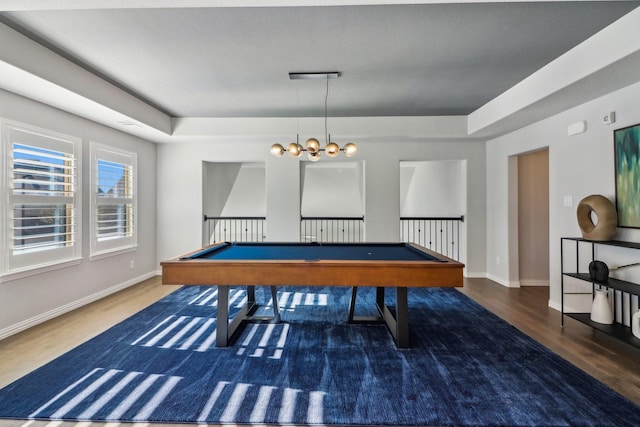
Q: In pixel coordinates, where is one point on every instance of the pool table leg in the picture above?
(398, 325)
(352, 304)
(380, 297)
(251, 294)
(276, 308)
(222, 322)
(402, 318)
(226, 329)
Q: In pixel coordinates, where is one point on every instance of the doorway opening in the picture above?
(533, 218)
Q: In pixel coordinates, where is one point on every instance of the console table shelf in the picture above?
(616, 329)
(618, 243)
(628, 291)
(620, 285)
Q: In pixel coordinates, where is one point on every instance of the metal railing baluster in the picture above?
(332, 229)
(238, 229)
(441, 234)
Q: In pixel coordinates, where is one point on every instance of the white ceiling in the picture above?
(431, 58)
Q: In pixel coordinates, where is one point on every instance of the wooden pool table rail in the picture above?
(401, 275)
(198, 271)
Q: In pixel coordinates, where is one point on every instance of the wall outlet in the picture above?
(132, 264)
(498, 260)
(567, 201)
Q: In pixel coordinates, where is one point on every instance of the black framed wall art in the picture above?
(626, 143)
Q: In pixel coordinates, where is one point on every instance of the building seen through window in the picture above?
(42, 184)
(113, 213)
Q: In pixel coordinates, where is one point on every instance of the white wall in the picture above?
(579, 166)
(234, 189)
(248, 195)
(180, 190)
(432, 189)
(218, 181)
(27, 301)
(332, 189)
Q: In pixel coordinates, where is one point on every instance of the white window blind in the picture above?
(114, 188)
(42, 213)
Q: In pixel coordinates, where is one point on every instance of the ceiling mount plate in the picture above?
(314, 76)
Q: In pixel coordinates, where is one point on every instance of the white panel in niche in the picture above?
(432, 188)
(248, 194)
(332, 189)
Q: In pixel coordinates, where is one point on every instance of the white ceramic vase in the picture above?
(635, 324)
(601, 308)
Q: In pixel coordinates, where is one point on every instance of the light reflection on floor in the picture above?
(197, 333)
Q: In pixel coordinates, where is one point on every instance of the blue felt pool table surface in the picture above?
(314, 251)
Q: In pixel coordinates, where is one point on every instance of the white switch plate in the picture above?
(567, 201)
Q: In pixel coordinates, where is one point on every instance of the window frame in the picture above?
(114, 245)
(27, 262)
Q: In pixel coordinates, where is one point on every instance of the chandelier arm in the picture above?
(326, 97)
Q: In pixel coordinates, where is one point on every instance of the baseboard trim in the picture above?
(555, 305)
(475, 275)
(505, 283)
(534, 283)
(36, 320)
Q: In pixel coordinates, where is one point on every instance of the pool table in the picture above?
(381, 265)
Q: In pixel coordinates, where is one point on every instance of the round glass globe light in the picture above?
(294, 149)
(313, 145)
(350, 149)
(332, 149)
(277, 150)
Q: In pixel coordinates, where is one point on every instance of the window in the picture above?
(113, 210)
(42, 214)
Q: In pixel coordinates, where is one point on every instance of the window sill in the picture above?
(38, 269)
(112, 252)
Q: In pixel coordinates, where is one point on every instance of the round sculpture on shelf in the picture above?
(607, 218)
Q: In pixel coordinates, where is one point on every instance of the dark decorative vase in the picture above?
(598, 271)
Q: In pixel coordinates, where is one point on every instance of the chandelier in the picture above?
(312, 146)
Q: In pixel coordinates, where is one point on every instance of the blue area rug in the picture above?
(467, 367)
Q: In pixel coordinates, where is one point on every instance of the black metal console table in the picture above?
(624, 292)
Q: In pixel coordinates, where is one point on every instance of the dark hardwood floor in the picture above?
(610, 361)
(613, 362)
